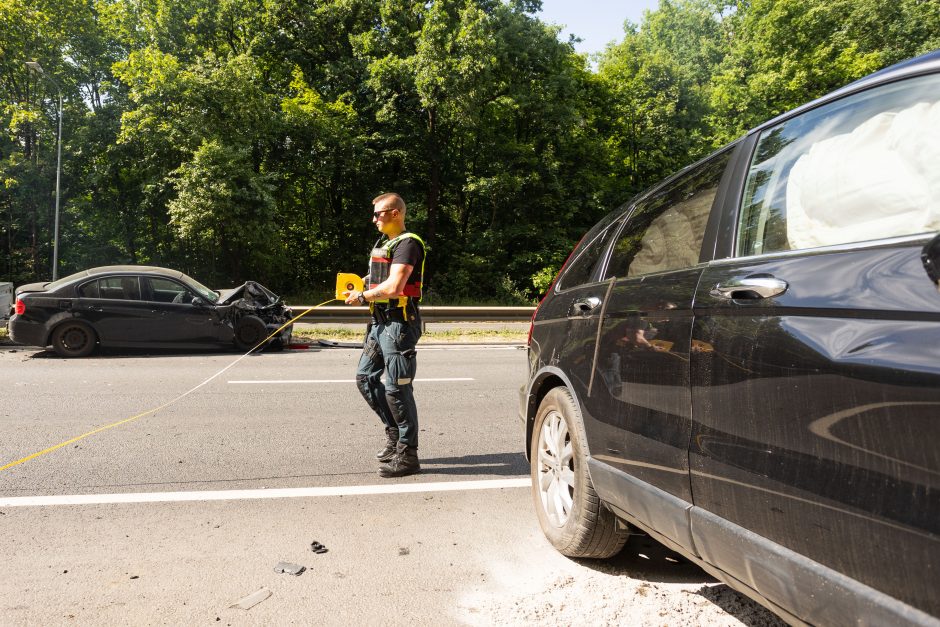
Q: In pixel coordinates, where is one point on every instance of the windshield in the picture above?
(201, 289)
(64, 280)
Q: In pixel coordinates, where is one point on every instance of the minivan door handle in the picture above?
(751, 287)
(584, 306)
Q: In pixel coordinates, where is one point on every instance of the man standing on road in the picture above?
(396, 269)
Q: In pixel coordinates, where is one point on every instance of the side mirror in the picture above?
(930, 257)
(198, 302)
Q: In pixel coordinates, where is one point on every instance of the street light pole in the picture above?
(58, 177)
(35, 67)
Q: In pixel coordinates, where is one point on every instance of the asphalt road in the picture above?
(173, 513)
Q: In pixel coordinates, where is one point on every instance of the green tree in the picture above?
(782, 53)
(659, 80)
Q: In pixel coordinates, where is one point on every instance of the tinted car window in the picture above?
(89, 290)
(861, 168)
(589, 256)
(119, 287)
(167, 291)
(665, 230)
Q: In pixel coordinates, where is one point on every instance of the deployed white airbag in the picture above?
(880, 180)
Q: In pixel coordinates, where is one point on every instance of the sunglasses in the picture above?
(378, 214)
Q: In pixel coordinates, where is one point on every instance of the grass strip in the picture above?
(456, 336)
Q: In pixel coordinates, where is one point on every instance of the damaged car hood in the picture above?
(249, 293)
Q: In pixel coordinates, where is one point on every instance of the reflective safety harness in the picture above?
(380, 263)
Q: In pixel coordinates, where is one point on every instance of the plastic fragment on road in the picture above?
(316, 547)
(252, 599)
(337, 344)
(289, 569)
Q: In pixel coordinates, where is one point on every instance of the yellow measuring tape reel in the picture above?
(346, 282)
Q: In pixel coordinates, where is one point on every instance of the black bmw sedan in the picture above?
(144, 307)
(743, 362)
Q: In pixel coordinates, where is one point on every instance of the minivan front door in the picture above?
(815, 411)
(816, 386)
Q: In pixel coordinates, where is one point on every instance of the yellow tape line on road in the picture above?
(168, 403)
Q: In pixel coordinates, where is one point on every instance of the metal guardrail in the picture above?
(346, 313)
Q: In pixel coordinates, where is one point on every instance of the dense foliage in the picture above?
(238, 139)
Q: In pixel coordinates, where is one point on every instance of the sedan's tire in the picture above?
(249, 332)
(570, 513)
(74, 339)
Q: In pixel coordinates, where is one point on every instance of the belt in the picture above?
(388, 314)
(380, 314)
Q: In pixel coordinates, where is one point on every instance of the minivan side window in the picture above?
(588, 258)
(666, 229)
(858, 169)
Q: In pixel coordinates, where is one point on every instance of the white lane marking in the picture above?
(488, 347)
(275, 493)
(339, 380)
(435, 347)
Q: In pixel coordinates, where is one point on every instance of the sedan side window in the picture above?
(119, 288)
(166, 291)
(666, 229)
(859, 169)
(89, 290)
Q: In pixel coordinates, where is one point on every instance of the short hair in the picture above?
(393, 200)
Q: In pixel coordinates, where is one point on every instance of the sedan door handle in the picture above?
(95, 308)
(751, 287)
(584, 306)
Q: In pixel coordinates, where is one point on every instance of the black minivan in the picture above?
(744, 363)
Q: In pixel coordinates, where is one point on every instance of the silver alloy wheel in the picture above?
(556, 469)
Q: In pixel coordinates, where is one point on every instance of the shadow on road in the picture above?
(749, 612)
(645, 559)
(501, 464)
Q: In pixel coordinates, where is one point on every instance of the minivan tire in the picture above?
(570, 513)
(74, 339)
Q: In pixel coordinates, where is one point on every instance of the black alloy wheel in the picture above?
(74, 339)
(249, 332)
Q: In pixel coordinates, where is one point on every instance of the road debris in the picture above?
(289, 569)
(252, 599)
(316, 547)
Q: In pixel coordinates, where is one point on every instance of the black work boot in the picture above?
(391, 445)
(404, 462)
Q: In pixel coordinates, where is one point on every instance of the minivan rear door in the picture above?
(642, 362)
(568, 320)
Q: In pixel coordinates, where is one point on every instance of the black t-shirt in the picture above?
(409, 251)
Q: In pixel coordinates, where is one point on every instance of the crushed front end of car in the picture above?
(255, 313)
